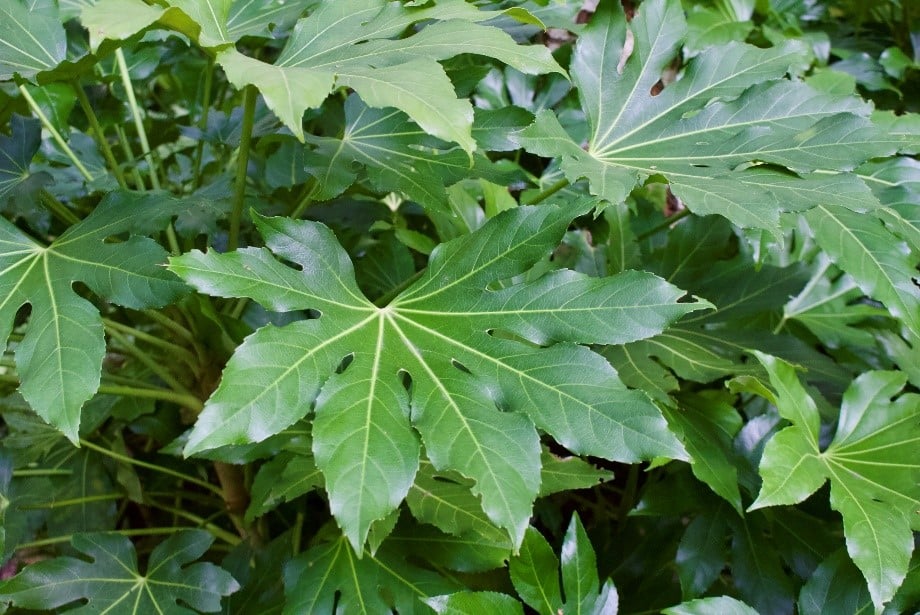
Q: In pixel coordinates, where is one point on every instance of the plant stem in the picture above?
(149, 531)
(102, 497)
(145, 144)
(149, 362)
(542, 196)
(57, 208)
(40, 472)
(242, 164)
(100, 134)
(189, 401)
(219, 532)
(136, 114)
(151, 466)
(306, 200)
(683, 213)
(203, 121)
(54, 133)
(129, 155)
(178, 351)
(168, 323)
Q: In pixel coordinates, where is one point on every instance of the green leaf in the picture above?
(18, 187)
(722, 605)
(463, 603)
(282, 479)
(111, 582)
(701, 554)
(870, 463)
(708, 131)
(535, 574)
(32, 39)
(566, 473)
(475, 399)
(836, 586)
(883, 266)
(396, 153)
(60, 358)
(707, 426)
(350, 44)
(331, 574)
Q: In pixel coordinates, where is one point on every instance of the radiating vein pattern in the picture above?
(472, 374)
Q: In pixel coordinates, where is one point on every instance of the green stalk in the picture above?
(668, 222)
(136, 114)
(151, 466)
(189, 401)
(542, 196)
(219, 532)
(249, 114)
(54, 133)
(168, 323)
(56, 540)
(129, 155)
(203, 121)
(99, 133)
(306, 200)
(149, 362)
(40, 472)
(102, 497)
(177, 351)
(145, 144)
(57, 208)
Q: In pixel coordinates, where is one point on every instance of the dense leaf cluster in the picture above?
(459, 306)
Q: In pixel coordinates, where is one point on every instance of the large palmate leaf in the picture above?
(111, 582)
(331, 574)
(32, 39)
(60, 358)
(397, 154)
(437, 361)
(347, 43)
(18, 186)
(871, 464)
(710, 131)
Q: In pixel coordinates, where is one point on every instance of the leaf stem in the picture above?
(168, 323)
(542, 196)
(40, 472)
(219, 532)
(151, 466)
(149, 362)
(99, 133)
(101, 497)
(670, 220)
(242, 164)
(57, 208)
(203, 121)
(136, 115)
(129, 155)
(306, 200)
(54, 133)
(148, 531)
(153, 340)
(189, 401)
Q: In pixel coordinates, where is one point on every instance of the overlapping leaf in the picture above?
(871, 464)
(330, 574)
(60, 358)
(427, 364)
(396, 153)
(32, 39)
(111, 582)
(535, 573)
(709, 131)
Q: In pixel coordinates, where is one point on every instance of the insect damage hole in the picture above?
(346, 361)
(463, 368)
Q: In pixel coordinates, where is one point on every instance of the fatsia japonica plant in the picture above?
(459, 306)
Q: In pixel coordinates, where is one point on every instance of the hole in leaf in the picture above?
(312, 314)
(405, 379)
(463, 368)
(444, 479)
(346, 361)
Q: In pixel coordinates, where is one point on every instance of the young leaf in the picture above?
(466, 602)
(111, 582)
(884, 267)
(60, 358)
(535, 575)
(871, 465)
(706, 151)
(722, 605)
(476, 399)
